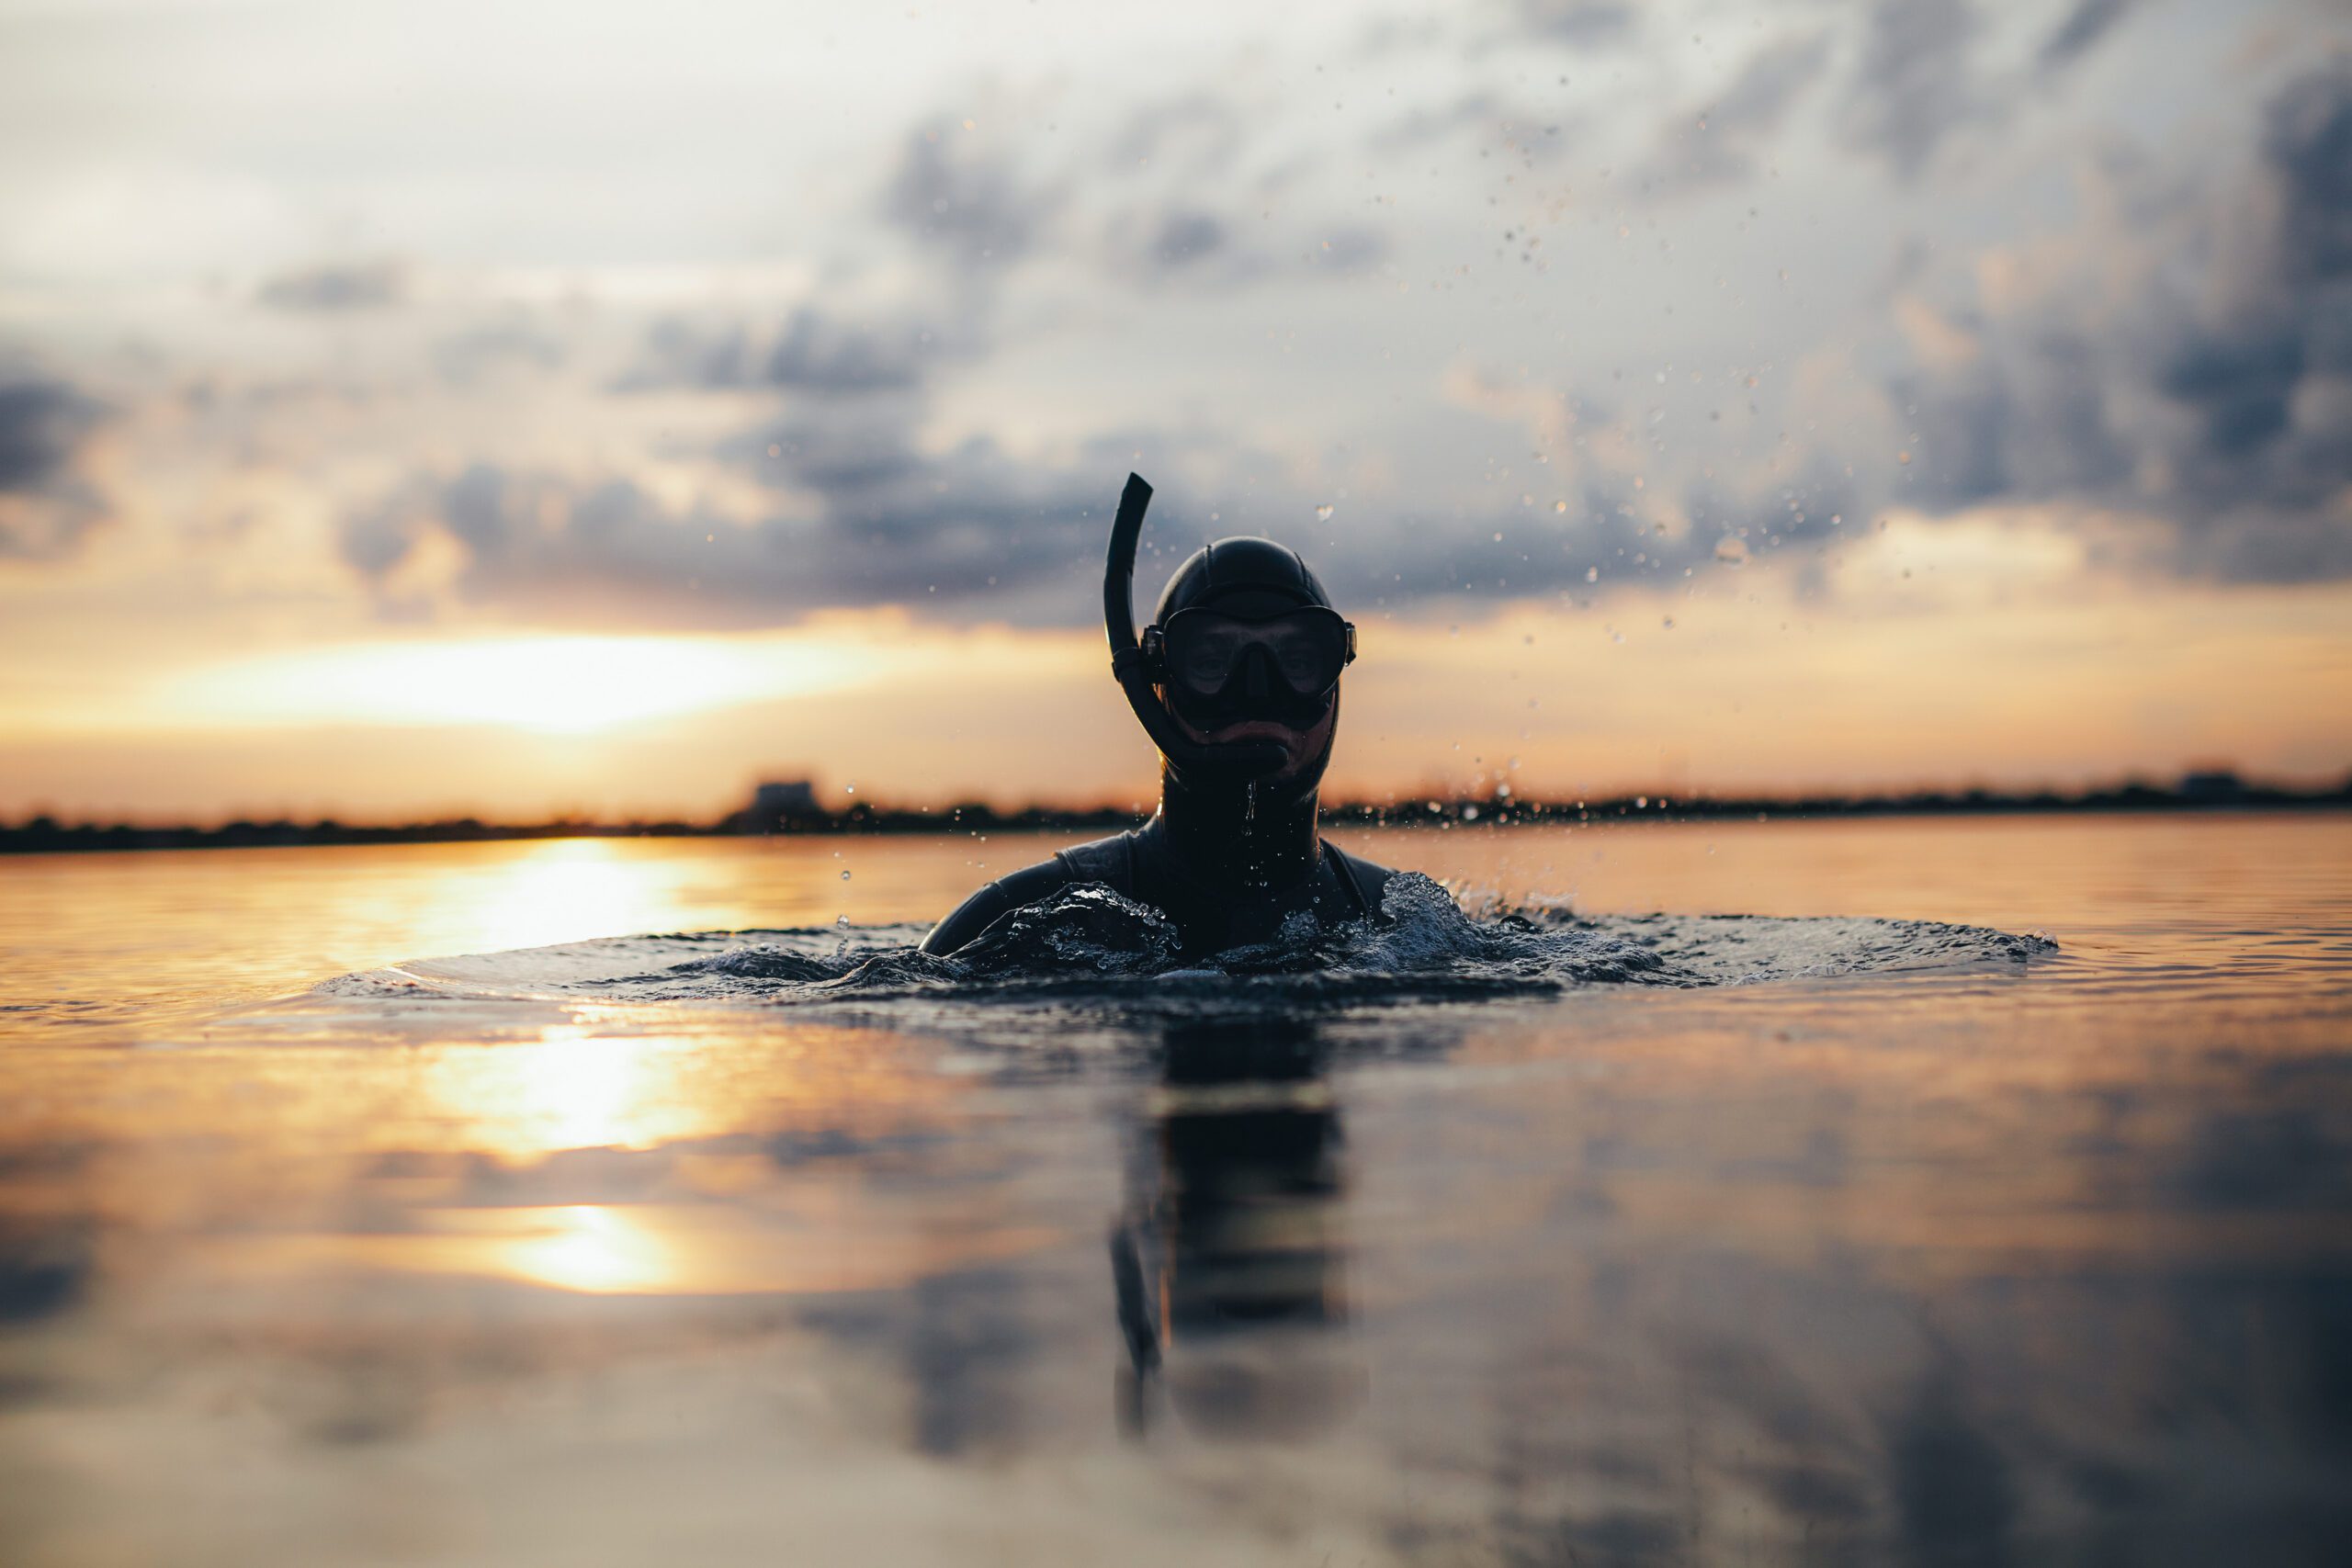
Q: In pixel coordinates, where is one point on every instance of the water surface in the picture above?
(1994, 1254)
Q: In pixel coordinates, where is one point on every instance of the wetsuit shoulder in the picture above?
(1106, 860)
(1111, 861)
(1365, 879)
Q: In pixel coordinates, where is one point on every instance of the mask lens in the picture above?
(1303, 650)
(1302, 658)
(1202, 657)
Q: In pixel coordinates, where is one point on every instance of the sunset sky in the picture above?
(509, 408)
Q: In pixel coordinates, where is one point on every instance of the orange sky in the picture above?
(1991, 662)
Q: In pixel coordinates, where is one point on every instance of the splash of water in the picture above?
(1088, 944)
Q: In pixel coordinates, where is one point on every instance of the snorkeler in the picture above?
(1237, 682)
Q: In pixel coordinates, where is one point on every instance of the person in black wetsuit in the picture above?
(1238, 682)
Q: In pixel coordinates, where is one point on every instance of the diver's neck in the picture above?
(1240, 838)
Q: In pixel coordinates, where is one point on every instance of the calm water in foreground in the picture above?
(2039, 1262)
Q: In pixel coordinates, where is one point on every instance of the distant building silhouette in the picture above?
(2207, 786)
(780, 804)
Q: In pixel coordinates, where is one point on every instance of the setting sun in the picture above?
(566, 686)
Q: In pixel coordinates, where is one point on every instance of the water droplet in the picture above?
(842, 920)
(845, 874)
(1903, 457)
(1592, 574)
(1323, 512)
(1731, 551)
(1469, 814)
(1559, 506)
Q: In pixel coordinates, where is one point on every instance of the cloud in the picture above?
(966, 201)
(815, 352)
(2211, 397)
(863, 517)
(862, 512)
(1914, 83)
(2029, 419)
(2308, 143)
(466, 357)
(683, 353)
(1581, 24)
(865, 514)
(817, 355)
(1920, 77)
(42, 422)
(2080, 33)
(46, 505)
(2233, 420)
(962, 203)
(1349, 248)
(1177, 202)
(1760, 96)
(1719, 142)
(1419, 127)
(1194, 135)
(1186, 237)
(1185, 244)
(367, 286)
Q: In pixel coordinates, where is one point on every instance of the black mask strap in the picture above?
(1249, 761)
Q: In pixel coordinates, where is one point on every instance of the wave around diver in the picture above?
(1088, 944)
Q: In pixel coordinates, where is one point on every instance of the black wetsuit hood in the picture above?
(1242, 576)
(1240, 830)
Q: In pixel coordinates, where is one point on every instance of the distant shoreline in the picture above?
(44, 835)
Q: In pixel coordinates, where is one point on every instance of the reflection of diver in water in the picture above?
(1228, 1265)
(1238, 683)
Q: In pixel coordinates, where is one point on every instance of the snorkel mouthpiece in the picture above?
(1251, 759)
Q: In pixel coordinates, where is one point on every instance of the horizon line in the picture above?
(1499, 804)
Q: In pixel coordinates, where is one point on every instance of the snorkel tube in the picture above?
(1252, 760)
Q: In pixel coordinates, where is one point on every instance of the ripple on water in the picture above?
(1088, 943)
